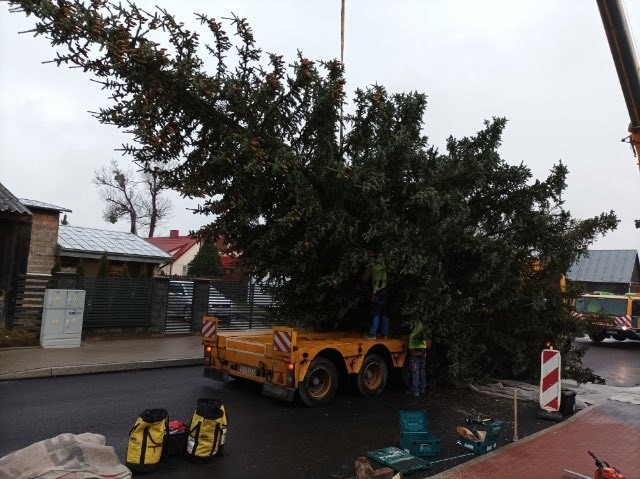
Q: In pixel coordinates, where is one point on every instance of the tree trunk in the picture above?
(134, 220)
(153, 217)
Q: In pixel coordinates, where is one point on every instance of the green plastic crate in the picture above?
(414, 434)
(399, 460)
(413, 421)
(490, 440)
(421, 444)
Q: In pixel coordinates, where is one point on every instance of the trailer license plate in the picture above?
(248, 370)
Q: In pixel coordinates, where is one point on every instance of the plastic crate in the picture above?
(398, 460)
(421, 444)
(490, 441)
(413, 421)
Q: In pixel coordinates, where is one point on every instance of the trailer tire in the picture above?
(372, 378)
(320, 383)
(598, 337)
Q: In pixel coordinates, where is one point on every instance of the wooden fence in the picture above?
(29, 300)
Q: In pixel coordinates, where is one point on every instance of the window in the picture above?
(602, 305)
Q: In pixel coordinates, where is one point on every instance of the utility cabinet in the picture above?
(62, 316)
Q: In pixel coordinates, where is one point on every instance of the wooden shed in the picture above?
(15, 234)
(615, 271)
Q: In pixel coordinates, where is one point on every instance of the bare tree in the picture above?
(153, 206)
(118, 191)
(135, 197)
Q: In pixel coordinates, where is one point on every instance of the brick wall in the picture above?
(44, 238)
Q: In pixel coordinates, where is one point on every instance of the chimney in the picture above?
(174, 233)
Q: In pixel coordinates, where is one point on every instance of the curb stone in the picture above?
(99, 368)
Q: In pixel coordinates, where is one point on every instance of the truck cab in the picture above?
(610, 315)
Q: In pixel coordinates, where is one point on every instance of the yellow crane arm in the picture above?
(626, 62)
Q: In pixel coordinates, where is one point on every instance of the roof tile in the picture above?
(174, 245)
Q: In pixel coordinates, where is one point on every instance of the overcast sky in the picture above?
(543, 64)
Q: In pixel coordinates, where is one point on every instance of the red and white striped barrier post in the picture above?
(550, 383)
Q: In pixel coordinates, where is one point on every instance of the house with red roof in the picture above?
(182, 248)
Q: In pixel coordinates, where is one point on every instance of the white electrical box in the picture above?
(53, 322)
(62, 318)
(75, 298)
(73, 321)
(55, 298)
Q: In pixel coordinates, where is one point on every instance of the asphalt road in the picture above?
(266, 438)
(616, 361)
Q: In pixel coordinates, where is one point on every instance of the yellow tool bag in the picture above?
(207, 431)
(146, 440)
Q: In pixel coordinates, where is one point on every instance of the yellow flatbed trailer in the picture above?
(285, 360)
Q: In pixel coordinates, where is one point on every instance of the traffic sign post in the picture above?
(550, 383)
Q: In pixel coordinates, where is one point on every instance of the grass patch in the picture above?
(11, 338)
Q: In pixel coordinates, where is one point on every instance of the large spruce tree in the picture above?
(207, 261)
(474, 246)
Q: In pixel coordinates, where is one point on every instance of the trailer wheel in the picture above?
(372, 377)
(320, 383)
(598, 337)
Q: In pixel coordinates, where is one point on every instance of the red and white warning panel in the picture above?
(623, 322)
(283, 340)
(209, 327)
(550, 383)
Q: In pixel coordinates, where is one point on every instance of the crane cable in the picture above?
(342, 33)
(342, 64)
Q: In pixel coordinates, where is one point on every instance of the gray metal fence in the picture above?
(127, 302)
(116, 302)
(239, 305)
(179, 307)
